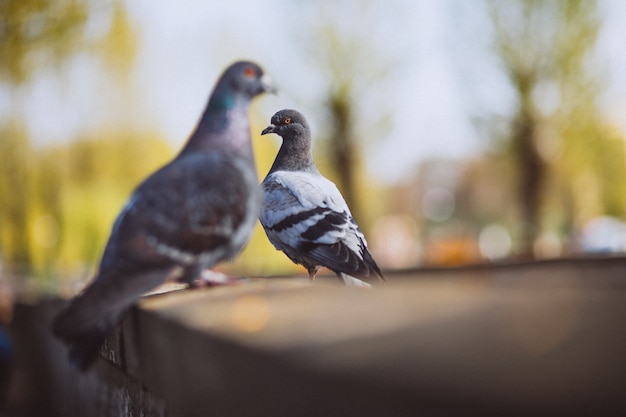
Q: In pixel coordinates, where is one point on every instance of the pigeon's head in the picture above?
(247, 78)
(289, 124)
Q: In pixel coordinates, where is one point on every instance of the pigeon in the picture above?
(197, 210)
(305, 216)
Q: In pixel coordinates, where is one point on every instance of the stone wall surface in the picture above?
(529, 339)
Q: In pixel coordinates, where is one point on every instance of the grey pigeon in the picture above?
(194, 212)
(305, 215)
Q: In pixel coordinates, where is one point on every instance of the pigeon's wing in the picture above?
(306, 215)
(302, 207)
(348, 256)
(192, 211)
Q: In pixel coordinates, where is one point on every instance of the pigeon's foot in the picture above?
(210, 278)
(312, 272)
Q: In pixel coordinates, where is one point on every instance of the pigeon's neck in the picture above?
(295, 155)
(223, 126)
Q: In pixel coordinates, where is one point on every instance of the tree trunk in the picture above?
(342, 149)
(530, 167)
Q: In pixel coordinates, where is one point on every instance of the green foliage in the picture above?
(15, 183)
(593, 159)
(119, 47)
(35, 33)
(59, 203)
(544, 39)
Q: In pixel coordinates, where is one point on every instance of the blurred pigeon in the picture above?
(304, 214)
(194, 212)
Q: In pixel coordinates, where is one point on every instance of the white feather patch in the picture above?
(289, 193)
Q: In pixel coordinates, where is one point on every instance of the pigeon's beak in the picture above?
(268, 84)
(269, 129)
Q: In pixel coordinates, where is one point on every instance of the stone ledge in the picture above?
(528, 339)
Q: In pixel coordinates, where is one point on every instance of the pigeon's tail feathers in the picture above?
(351, 281)
(83, 326)
(83, 332)
(85, 323)
(85, 348)
(340, 258)
(372, 265)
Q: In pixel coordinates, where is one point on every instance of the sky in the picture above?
(440, 73)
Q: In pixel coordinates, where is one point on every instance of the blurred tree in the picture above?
(355, 73)
(545, 47)
(343, 150)
(98, 175)
(119, 47)
(58, 207)
(15, 184)
(47, 218)
(36, 206)
(36, 33)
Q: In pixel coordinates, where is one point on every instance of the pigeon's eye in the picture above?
(248, 72)
(287, 120)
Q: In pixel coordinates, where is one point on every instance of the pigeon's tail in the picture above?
(351, 281)
(85, 323)
(372, 266)
(84, 347)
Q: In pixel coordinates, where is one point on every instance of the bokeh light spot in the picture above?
(438, 204)
(251, 313)
(494, 242)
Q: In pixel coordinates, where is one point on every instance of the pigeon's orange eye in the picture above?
(287, 120)
(248, 72)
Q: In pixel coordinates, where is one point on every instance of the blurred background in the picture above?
(459, 132)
